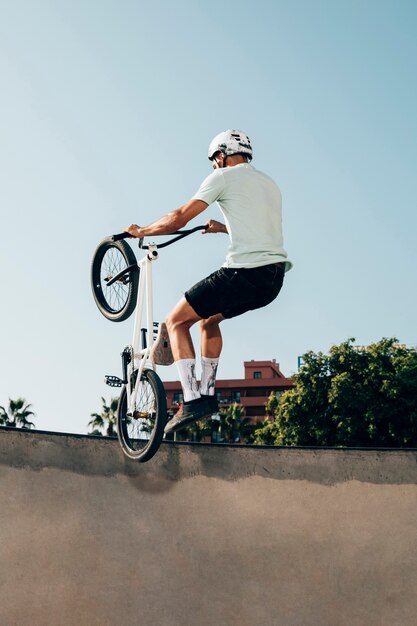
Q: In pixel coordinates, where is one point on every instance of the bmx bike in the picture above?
(120, 285)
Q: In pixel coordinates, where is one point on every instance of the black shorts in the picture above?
(231, 291)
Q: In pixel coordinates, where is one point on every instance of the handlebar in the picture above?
(180, 234)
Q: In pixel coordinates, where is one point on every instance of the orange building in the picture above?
(261, 379)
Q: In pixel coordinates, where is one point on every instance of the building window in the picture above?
(178, 397)
(218, 396)
(257, 374)
(235, 396)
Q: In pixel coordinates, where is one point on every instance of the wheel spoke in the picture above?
(118, 300)
(140, 427)
(140, 435)
(117, 294)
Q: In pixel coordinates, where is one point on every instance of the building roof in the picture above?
(271, 376)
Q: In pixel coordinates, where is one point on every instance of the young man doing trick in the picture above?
(251, 277)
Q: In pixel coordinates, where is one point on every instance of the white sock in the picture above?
(208, 375)
(186, 370)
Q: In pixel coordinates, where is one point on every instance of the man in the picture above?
(251, 277)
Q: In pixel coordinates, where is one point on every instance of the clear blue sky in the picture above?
(107, 109)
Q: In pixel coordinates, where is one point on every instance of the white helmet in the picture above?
(230, 142)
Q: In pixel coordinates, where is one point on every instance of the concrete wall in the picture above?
(204, 535)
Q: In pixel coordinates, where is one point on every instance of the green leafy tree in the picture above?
(266, 431)
(16, 415)
(197, 431)
(235, 427)
(106, 420)
(354, 396)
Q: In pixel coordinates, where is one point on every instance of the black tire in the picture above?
(118, 301)
(141, 436)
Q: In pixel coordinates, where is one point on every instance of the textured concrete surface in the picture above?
(205, 535)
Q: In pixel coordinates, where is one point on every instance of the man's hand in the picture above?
(212, 226)
(134, 230)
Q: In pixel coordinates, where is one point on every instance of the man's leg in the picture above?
(211, 337)
(179, 322)
(211, 346)
(194, 407)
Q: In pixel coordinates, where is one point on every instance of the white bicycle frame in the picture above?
(141, 349)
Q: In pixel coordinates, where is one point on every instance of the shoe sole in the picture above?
(173, 428)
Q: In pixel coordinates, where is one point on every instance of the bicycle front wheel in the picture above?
(118, 300)
(141, 434)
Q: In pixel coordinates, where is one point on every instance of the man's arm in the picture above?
(171, 222)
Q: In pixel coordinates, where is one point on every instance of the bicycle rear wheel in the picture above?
(117, 301)
(141, 435)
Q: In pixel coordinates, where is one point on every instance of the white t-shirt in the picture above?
(251, 205)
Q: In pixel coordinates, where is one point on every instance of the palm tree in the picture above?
(106, 419)
(16, 415)
(234, 426)
(199, 430)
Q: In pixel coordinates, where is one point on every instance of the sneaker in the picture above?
(187, 413)
(161, 353)
(213, 403)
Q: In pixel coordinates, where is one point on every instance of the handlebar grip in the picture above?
(120, 236)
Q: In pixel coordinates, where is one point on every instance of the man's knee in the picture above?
(183, 316)
(211, 322)
(174, 321)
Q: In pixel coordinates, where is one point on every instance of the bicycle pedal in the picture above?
(114, 381)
